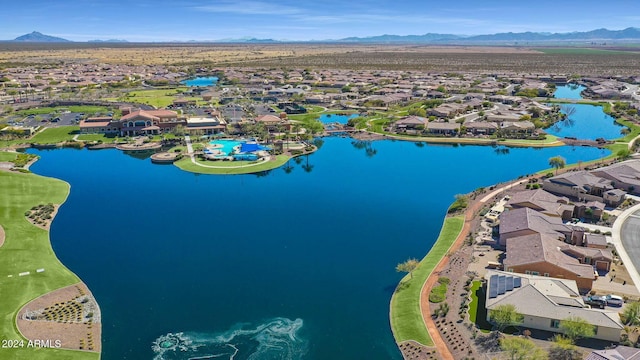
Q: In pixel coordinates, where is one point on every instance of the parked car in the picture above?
(595, 301)
(614, 300)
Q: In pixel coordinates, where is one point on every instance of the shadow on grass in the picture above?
(481, 312)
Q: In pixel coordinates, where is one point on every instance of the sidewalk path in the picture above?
(470, 213)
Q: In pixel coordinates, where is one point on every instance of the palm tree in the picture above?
(557, 162)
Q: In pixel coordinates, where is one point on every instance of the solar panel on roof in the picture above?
(502, 285)
(493, 292)
(493, 287)
(517, 282)
(509, 283)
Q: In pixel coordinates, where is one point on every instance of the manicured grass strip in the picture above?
(54, 135)
(477, 307)
(28, 248)
(406, 317)
(226, 168)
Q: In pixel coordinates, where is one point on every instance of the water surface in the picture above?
(291, 264)
(569, 91)
(586, 122)
(333, 118)
(201, 81)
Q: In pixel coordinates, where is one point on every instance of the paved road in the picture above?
(630, 236)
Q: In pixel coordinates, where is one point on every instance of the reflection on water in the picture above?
(275, 339)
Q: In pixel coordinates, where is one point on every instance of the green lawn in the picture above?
(8, 156)
(405, 314)
(54, 135)
(477, 307)
(159, 98)
(27, 248)
(227, 168)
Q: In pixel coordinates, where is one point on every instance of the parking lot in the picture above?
(46, 120)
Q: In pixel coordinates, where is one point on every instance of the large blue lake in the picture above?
(297, 265)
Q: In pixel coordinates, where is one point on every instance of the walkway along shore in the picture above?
(425, 308)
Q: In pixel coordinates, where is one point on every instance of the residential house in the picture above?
(617, 353)
(481, 127)
(411, 123)
(589, 210)
(447, 110)
(580, 185)
(544, 302)
(517, 127)
(543, 202)
(624, 176)
(443, 128)
(526, 221)
(542, 254)
(599, 259)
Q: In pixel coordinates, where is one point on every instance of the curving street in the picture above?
(630, 236)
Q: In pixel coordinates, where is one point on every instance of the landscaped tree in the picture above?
(521, 349)
(631, 314)
(504, 315)
(564, 349)
(557, 162)
(575, 328)
(408, 266)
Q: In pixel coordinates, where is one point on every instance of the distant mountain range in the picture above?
(536, 37)
(39, 37)
(629, 34)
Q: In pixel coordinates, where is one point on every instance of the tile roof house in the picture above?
(526, 221)
(544, 302)
(411, 122)
(600, 259)
(543, 254)
(543, 202)
(624, 175)
(618, 353)
(443, 128)
(580, 185)
(481, 127)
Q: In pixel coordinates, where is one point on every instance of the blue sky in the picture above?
(181, 20)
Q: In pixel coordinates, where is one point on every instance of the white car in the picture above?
(614, 300)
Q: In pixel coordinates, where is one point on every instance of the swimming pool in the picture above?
(227, 145)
